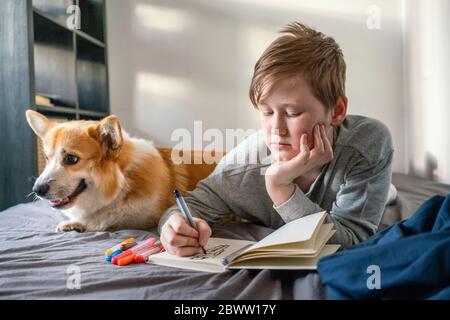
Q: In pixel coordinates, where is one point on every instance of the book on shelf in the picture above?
(51, 100)
(43, 101)
(297, 245)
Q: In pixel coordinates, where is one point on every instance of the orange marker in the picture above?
(120, 256)
(135, 254)
(126, 260)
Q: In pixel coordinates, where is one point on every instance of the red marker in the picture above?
(142, 254)
(141, 257)
(146, 244)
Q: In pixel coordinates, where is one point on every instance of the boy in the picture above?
(320, 158)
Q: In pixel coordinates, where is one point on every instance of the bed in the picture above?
(38, 263)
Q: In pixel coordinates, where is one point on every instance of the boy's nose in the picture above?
(278, 126)
(41, 189)
(278, 131)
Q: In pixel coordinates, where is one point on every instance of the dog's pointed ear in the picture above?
(39, 123)
(110, 134)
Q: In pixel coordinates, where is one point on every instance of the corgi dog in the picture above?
(101, 178)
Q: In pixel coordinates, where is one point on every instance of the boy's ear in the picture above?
(39, 123)
(339, 111)
(110, 135)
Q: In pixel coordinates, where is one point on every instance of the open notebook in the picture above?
(297, 245)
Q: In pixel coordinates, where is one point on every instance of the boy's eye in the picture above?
(293, 114)
(267, 113)
(70, 159)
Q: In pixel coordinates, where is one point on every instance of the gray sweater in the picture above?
(352, 188)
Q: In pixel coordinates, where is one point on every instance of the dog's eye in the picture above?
(70, 159)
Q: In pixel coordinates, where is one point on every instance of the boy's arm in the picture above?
(204, 202)
(207, 200)
(359, 203)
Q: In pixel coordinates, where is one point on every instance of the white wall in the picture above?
(172, 62)
(427, 94)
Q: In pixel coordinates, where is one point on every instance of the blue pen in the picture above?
(184, 208)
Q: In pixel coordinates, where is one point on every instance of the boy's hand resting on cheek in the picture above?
(180, 239)
(280, 175)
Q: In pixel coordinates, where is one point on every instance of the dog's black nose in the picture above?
(41, 189)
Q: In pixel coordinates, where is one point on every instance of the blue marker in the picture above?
(112, 255)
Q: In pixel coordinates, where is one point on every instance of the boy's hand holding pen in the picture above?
(184, 235)
(184, 208)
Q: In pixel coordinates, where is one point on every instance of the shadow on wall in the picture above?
(182, 61)
(428, 170)
(427, 98)
(431, 165)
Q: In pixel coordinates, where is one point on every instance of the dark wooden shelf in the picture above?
(43, 56)
(55, 109)
(80, 54)
(95, 114)
(54, 56)
(78, 32)
(63, 110)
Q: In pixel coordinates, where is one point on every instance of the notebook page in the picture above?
(285, 263)
(310, 246)
(216, 250)
(297, 230)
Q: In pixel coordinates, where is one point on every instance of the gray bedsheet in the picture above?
(412, 192)
(38, 263)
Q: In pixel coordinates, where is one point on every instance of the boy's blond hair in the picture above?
(306, 52)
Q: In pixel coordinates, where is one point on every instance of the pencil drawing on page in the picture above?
(211, 252)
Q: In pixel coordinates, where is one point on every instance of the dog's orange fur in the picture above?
(145, 173)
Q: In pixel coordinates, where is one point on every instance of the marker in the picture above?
(112, 255)
(126, 260)
(135, 253)
(126, 246)
(116, 247)
(111, 250)
(142, 253)
(126, 242)
(143, 256)
(146, 244)
(184, 208)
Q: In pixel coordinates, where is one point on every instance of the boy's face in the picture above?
(289, 110)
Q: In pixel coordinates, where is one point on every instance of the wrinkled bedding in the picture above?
(38, 263)
(411, 193)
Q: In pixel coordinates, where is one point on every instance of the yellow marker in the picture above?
(126, 242)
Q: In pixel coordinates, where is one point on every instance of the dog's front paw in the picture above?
(66, 226)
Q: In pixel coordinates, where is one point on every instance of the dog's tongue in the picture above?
(59, 202)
